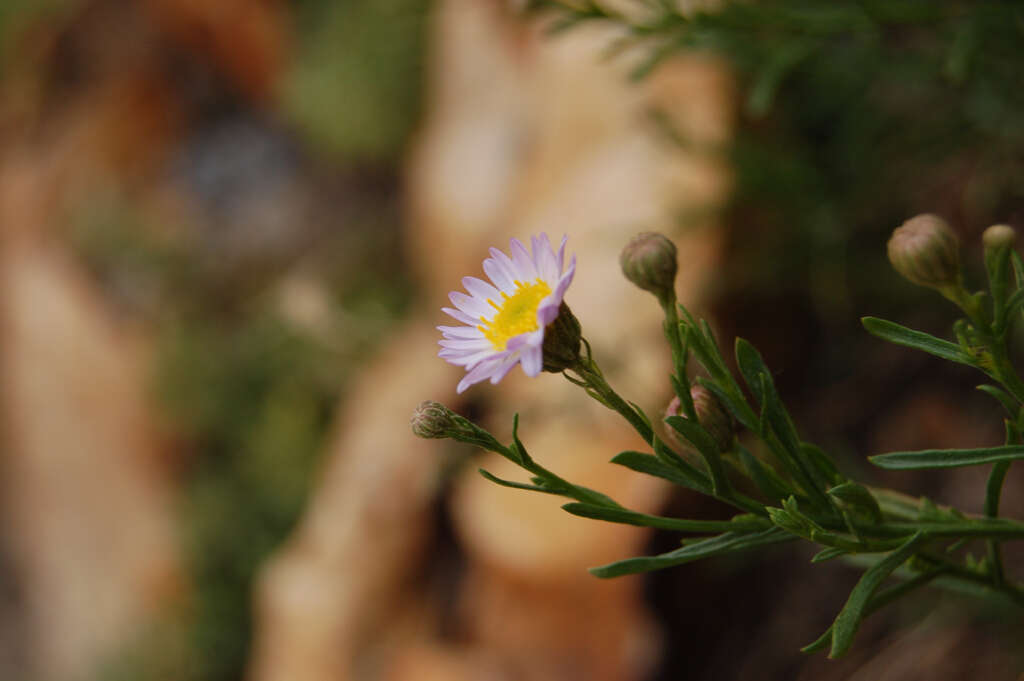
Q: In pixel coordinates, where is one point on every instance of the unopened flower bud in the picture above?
(925, 250)
(649, 261)
(561, 349)
(998, 236)
(714, 417)
(432, 420)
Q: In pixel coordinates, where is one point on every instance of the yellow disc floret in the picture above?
(517, 313)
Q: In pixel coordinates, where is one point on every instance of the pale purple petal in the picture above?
(470, 360)
(481, 289)
(548, 308)
(499, 274)
(460, 344)
(461, 316)
(471, 306)
(467, 358)
(566, 279)
(544, 259)
(502, 370)
(461, 331)
(505, 262)
(479, 373)
(525, 269)
(529, 338)
(532, 360)
(561, 253)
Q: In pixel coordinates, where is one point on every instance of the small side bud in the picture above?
(432, 420)
(925, 250)
(649, 261)
(714, 417)
(998, 236)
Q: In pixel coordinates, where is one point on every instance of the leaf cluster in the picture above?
(801, 495)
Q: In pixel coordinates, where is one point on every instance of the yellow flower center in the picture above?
(517, 313)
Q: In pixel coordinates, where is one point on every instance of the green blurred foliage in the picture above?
(857, 116)
(854, 115)
(249, 393)
(355, 86)
(253, 400)
(16, 16)
(248, 390)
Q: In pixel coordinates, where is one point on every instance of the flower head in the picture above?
(505, 320)
(649, 261)
(719, 423)
(998, 236)
(925, 250)
(431, 420)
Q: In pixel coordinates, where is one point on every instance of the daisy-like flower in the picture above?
(505, 320)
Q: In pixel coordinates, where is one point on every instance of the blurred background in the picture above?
(227, 228)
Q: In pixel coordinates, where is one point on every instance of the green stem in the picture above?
(1003, 371)
(598, 387)
(979, 529)
(675, 342)
(993, 491)
(591, 378)
(955, 575)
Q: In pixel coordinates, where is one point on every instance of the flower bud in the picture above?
(998, 236)
(432, 420)
(715, 418)
(649, 261)
(561, 349)
(925, 250)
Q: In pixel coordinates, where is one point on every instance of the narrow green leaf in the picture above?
(705, 328)
(1018, 268)
(591, 496)
(901, 335)
(823, 463)
(627, 517)
(857, 498)
(896, 504)
(517, 447)
(739, 407)
(848, 620)
(695, 434)
(819, 643)
(792, 453)
(705, 444)
(881, 598)
(554, 482)
(724, 543)
(516, 485)
(828, 553)
(1013, 306)
(669, 456)
(763, 475)
(772, 72)
(946, 458)
(652, 465)
(1009, 404)
(682, 391)
(643, 416)
(703, 347)
(778, 418)
(997, 265)
(751, 366)
(943, 526)
(1012, 430)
